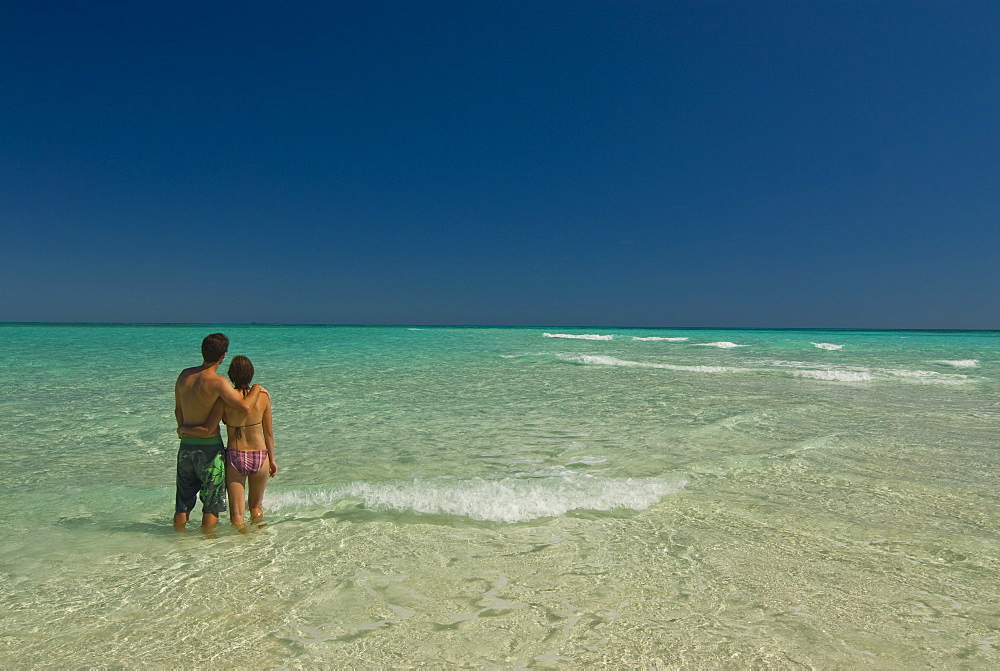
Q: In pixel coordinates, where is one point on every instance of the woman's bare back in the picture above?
(246, 430)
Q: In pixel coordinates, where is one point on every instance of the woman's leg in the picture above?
(258, 481)
(236, 487)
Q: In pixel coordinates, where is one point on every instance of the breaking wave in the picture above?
(928, 376)
(583, 336)
(836, 375)
(502, 500)
(722, 345)
(612, 361)
(963, 363)
(859, 374)
(826, 345)
(799, 369)
(655, 338)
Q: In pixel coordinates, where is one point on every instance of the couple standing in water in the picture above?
(205, 467)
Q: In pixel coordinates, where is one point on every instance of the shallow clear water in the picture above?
(513, 497)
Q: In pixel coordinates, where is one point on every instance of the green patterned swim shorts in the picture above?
(201, 470)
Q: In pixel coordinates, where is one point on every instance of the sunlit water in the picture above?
(513, 497)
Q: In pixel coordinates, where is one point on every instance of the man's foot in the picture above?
(208, 524)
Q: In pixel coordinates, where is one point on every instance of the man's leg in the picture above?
(208, 522)
(187, 489)
(213, 491)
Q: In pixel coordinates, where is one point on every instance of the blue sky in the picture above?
(743, 164)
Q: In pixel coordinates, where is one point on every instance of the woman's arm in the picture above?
(210, 426)
(269, 435)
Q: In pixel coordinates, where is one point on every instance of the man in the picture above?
(200, 466)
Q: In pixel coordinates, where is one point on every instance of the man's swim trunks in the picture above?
(246, 462)
(201, 470)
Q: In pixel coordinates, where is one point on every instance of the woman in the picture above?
(249, 449)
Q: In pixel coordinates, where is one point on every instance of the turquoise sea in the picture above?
(513, 497)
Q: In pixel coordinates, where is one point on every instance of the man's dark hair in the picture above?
(241, 372)
(214, 347)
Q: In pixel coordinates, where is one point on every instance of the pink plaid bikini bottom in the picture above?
(246, 462)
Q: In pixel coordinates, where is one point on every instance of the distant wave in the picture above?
(723, 345)
(612, 361)
(501, 500)
(928, 376)
(963, 363)
(826, 345)
(836, 375)
(862, 374)
(585, 336)
(652, 338)
(799, 369)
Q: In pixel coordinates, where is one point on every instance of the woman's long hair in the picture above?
(241, 373)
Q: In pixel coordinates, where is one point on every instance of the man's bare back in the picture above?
(197, 391)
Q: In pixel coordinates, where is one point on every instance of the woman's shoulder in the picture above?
(263, 401)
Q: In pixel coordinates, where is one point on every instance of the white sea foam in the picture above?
(802, 369)
(612, 361)
(859, 374)
(836, 375)
(929, 376)
(963, 363)
(722, 345)
(792, 364)
(583, 336)
(657, 338)
(826, 345)
(501, 500)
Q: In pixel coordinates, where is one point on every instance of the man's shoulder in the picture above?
(188, 373)
(211, 380)
(200, 377)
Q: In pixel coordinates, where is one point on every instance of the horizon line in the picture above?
(487, 326)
